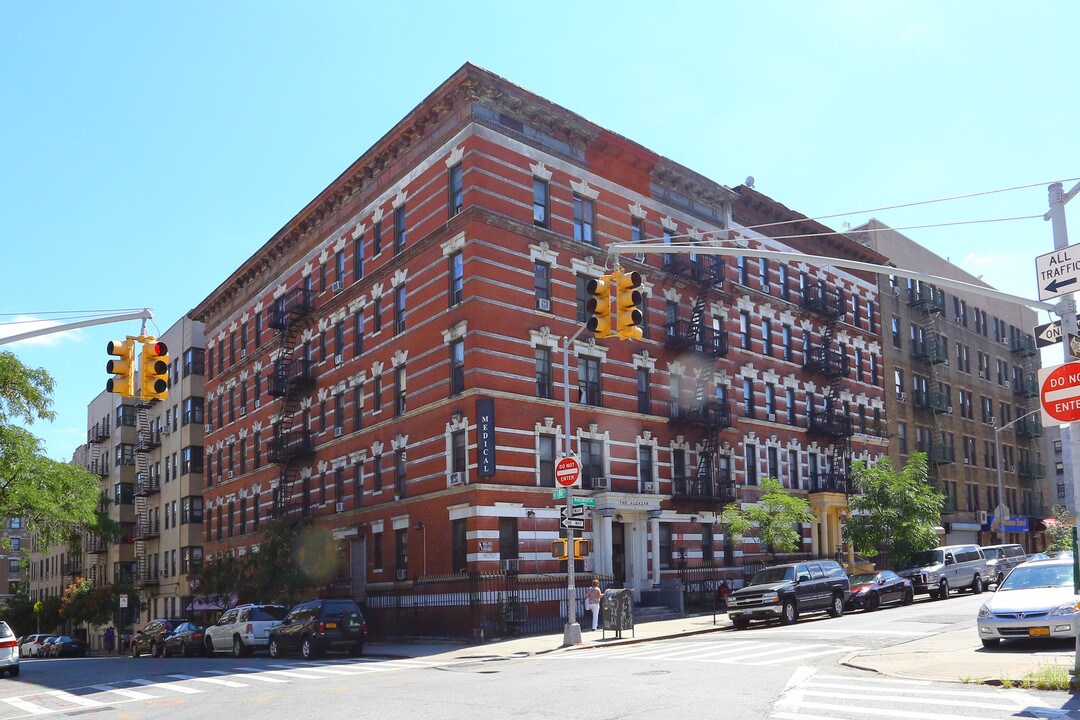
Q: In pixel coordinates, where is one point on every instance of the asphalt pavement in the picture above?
(952, 656)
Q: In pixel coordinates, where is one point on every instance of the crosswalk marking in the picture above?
(74, 699)
(720, 651)
(255, 674)
(175, 687)
(26, 706)
(212, 681)
(124, 692)
(830, 650)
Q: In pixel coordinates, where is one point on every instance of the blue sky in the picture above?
(149, 148)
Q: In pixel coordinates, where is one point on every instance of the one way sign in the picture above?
(1058, 272)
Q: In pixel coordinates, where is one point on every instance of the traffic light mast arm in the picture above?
(144, 315)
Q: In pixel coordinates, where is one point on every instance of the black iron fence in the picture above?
(474, 606)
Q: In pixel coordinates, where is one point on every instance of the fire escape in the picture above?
(146, 524)
(1028, 430)
(289, 377)
(700, 408)
(92, 544)
(928, 347)
(831, 423)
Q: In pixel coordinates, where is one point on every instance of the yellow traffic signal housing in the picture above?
(629, 320)
(582, 548)
(558, 549)
(599, 306)
(122, 381)
(155, 371)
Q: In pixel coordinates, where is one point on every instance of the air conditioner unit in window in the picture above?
(164, 573)
(402, 574)
(648, 487)
(338, 286)
(772, 417)
(457, 478)
(982, 375)
(639, 257)
(981, 517)
(165, 430)
(600, 483)
(510, 564)
(230, 474)
(339, 507)
(258, 403)
(543, 304)
(338, 359)
(243, 352)
(1007, 385)
(339, 431)
(206, 427)
(243, 411)
(901, 396)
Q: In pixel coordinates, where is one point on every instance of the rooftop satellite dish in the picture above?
(749, 181)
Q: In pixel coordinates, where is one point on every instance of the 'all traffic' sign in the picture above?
(567, 471)
(1059, 392)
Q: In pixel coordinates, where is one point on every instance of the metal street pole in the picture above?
(572, 631)
(999, 516)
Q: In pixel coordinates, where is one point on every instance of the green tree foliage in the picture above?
(49, 614)
(1059, 532)
(19, 613)
(295, 557)
(55, 499)
(893, 514)
(221, 577)
(74, 603)
(778, 516)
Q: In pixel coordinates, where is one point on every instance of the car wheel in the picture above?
(14, 671)
(788, 613)
(134, 649)
(977, 585)
(990, 642)
(165, 652)
(836, 608)
(155, 650)
(943, 589)
(183, 650)
(740, 623)
(357, 650)
(909, 596)
(238, 650)
(308, 649)
(209, 646)
(873, 602)
(275, 651)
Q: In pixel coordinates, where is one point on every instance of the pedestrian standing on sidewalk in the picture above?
(592, 601)
(110, 639)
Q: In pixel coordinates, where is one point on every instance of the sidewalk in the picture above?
(954, 656)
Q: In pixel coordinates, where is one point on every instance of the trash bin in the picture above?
(617, 608)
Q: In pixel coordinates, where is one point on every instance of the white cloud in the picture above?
(27, 323)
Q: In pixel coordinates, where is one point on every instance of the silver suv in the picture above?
(244, 629)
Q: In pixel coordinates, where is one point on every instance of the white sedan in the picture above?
(1036, 600)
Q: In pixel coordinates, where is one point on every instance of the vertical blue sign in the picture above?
(485, 436)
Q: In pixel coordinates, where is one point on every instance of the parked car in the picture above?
(46, 646)
(1036, 600)
(1037, 556)
(870, 591)
(66, 646)
(151, 638)
(31, 645)
(186, 639)
(936, 572)
(316, 626)
(244, 629)
(1000, 559)
(9, 650)
(786, 591)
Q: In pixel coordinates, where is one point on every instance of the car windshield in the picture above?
(863, 578)
(992, 553)
(1025, 577)
(769, 576)
(926, 557)
(268, 612)
(333, 609)
(5, 631)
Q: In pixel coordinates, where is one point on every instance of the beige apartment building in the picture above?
(12, 572)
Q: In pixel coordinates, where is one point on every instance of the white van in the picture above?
(938, 571)
(1000, 559)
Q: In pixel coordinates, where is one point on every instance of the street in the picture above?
(764, 672)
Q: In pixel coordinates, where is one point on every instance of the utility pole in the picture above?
(572, 631)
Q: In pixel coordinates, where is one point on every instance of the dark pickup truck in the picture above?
(785, 591)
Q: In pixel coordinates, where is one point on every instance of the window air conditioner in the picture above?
(165, 430)
(206, 427)
(258, 403)
(901, 396)
(949, 408)
(639, 257)
(339, 507)
(509, 564)
(981, 517)
(543, 304)
(600, 483)
(772, 417)
(402, 574)
(1007, 385)
(243, 352)
(338, 359)
(982, 375)
(457, 478)
(243, 411)
(338, 286)
(648, 487)
(339, 431)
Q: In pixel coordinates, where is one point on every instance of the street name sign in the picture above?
(1059, 393)
(559, 494)
(576, 511)
(578, 500)
(1058, 272)
(577, 523)
(567, 471)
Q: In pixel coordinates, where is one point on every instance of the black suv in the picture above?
(151, 638)
(785, 591)
(315, 626)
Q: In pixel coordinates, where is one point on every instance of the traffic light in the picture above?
(558, 549)
(155, 371)
(123, 369)
(581, 548)
(599, 306)
(629, 320)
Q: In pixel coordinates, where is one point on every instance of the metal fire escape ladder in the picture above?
(831, 421)
(142, 486)
(289, 374)
(929, 302)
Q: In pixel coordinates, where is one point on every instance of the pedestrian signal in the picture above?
(558, 549)
(582, 548)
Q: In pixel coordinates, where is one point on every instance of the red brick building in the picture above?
(390, 362)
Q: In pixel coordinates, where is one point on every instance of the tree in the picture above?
(221, 578)
(294, 557)
(778, 516)
(893, 514)
(1059, 532)
(55, 499)
(49, 613)
(19, 613)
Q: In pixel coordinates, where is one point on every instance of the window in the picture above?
(542, 285)
(399, 390)
(339, 339)
(376, 239)
(456, 191)
(744, 271)
(191, 559)
(637, 230)
(751, 464)
(645, 464)
(785, 335)
(772, 454)
(897, 339)
(707, 542)
(544, 384)
(547, 460)
(457, 367)
(763, 274)
(193, 410)
(457, 278)
(582, 293)
(589, 381)
(358, 258)
(458, 545)
(770, 400)
(583, 220)
(358, 334)
(192, 459)
(399, 309)
(540, 202)
(592, 461)
(793, 469)
(678, 466)
(901, 437)
(376, 315)
(744, 326)
(748, 398)
(125, 454)
(125, 416)
(401, 550)
(665, 546)
(457, 451)
(766, 337)
(399, 472)
(399, 229)
(194, 361)
(785, 290)
(643, 402)
(376, 394)
(508, 538)
(790, 402)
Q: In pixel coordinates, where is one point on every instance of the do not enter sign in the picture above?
(1059, 391)
(568, 471)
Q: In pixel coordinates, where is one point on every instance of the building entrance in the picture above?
(618, 553)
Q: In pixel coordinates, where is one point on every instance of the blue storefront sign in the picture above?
(1013, 523)
(485, 436)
